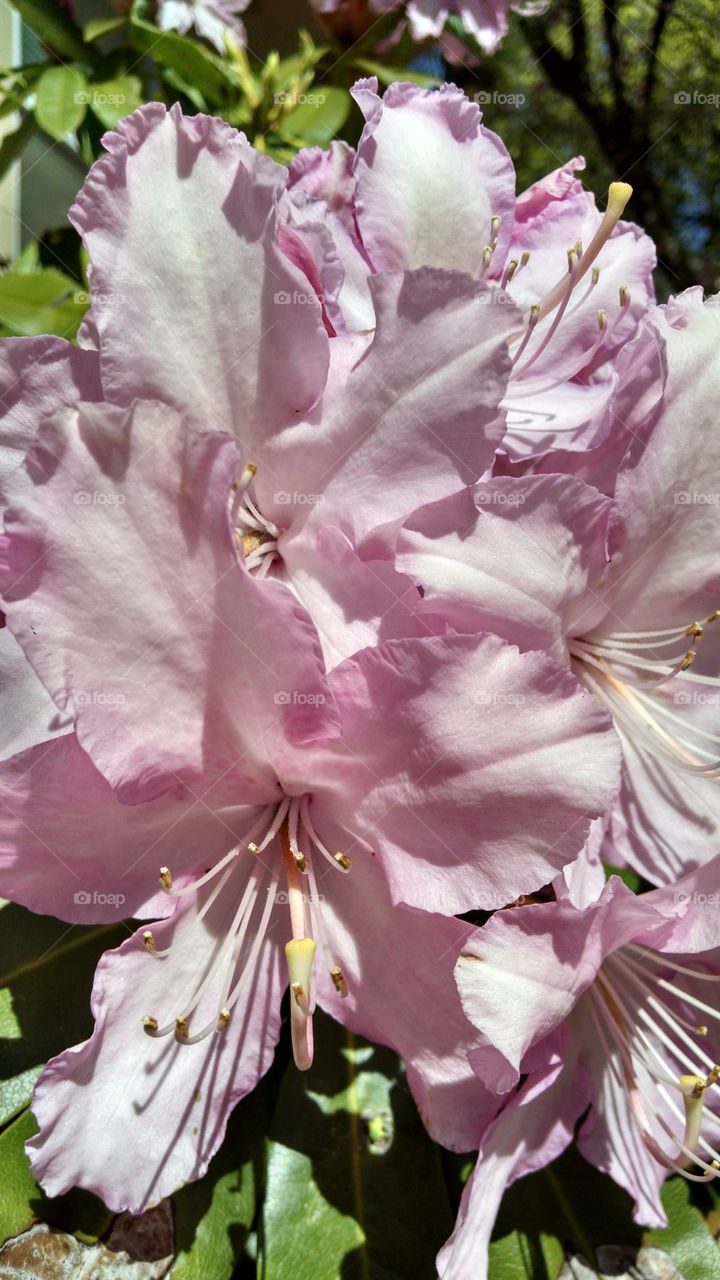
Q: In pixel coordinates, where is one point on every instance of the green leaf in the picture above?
(567, 1207)
(114, 99)
(194, 64)
(53, 24)
(62, 99)
(351, 1172)
(46, 971)
(23, 1202)
(319, 117)
(13, 144)
(686, 1238)
(213, 1216)
(99, 27)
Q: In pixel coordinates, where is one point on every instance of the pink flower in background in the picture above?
(433, 185)
(215, 20)
(626, 591)
(485, 20)
(207, 741)
(610, 1008)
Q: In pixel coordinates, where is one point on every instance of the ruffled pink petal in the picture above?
(327, 175)
(404, 421)
(398, 965)
(29, 715)
(513, 557)
(37, 377)
(531, 1132)
(481, 781)
(69, 848)
(429, 178)
(665, 565)
(133, 1118)
(125, 590)
(193, 300)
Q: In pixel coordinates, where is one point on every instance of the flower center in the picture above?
(287, 829)
(642, 677)
(256, 536)
(653, 1048)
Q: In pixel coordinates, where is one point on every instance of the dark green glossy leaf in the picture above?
(354, 1185)
(62, 101)
(46, 972)
(213, 1217)
(686, 1238)
(22, 1202)
(569, 1207)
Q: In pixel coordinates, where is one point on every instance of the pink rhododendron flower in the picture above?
(611, 1008)
(625, 591)
(433, 185)
(208, 739)
(485, 20)
(380, 422)
(216, 20)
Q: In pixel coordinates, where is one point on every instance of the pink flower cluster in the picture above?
(360, 571)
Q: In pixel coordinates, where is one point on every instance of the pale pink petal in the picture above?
(405, 420)
(29, 715)
(398, 965)
(193, 300)
(531, 1132)
(482, 782)
(125, 589)
(514, 557)
(133, 1118)
(69, 848)
(429, 178)
(37, 377)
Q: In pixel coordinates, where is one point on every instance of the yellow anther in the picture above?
(150, 1025)
(624, 295)
(688, 660)
(181, 1028)
(224, 1017)
(342, 861)
(149, 940)
(165, 878)
(338, 979)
